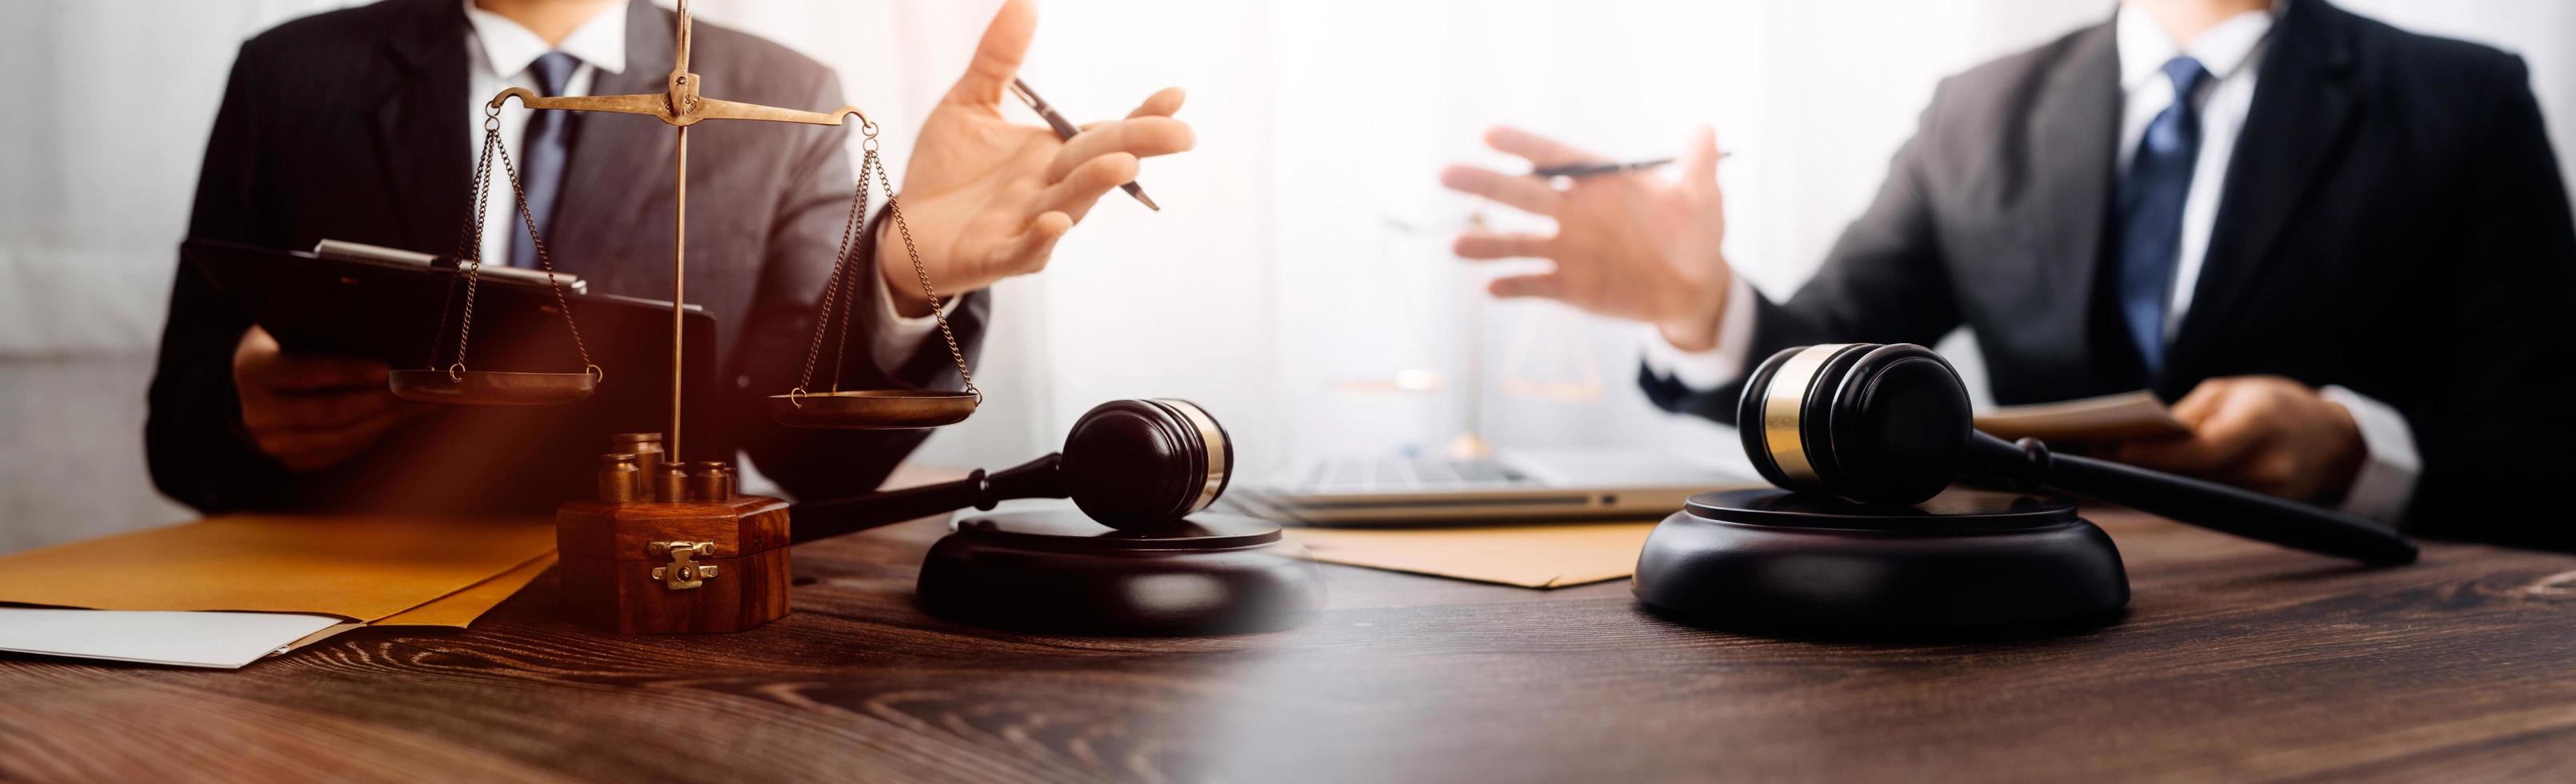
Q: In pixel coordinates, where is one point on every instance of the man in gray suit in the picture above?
(361, 125)
(2340, 248)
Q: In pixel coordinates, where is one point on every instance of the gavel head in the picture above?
(1133, 464)
(1873, 423)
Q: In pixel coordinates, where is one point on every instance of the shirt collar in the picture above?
(2145, 47)
(509, 47)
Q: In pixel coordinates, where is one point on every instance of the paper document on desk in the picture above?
(1529, 556)
(203, 593)
(458, 610)
(2107, 418)
(224, 640)
(360, 568)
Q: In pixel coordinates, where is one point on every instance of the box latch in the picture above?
(682, 573)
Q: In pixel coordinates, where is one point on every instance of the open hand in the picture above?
(2263, 433)
(312, 412)
(987, 198)
(1626, 245)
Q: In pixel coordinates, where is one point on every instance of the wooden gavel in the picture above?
(1128, 464)
(1890, 424)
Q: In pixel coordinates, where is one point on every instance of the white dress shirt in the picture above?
(2231, 51)
(500, 51)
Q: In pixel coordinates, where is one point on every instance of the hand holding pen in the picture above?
(1064, 129)
(1638, 248)
(989, 195)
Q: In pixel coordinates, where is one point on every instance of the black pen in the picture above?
(1065, 130)
(1590, 169)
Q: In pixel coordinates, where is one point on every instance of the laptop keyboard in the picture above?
(1401, 474)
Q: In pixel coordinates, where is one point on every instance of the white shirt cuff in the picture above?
(898, 335)
(2388, 472)
(1718, 366)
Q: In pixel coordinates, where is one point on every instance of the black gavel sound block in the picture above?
(1775, 560)
(1142, 556)
(1867, 537)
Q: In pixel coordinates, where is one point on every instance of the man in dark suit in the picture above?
(2340, 248)
(358, 125)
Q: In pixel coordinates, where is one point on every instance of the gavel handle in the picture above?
(2221, 508)
(825, 519)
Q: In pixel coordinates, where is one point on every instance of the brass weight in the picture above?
(619, 480)
(647, 448)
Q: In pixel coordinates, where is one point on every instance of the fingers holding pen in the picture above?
(1030, 251)
(1540, 151)
(1140, 137)
(1521, 192)
(1546, 285)
(1079, 190)
(1486, 245)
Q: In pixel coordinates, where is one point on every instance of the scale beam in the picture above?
(659, 107)
(681, 106)
(712, 109)
(651, 105)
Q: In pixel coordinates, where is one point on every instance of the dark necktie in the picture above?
(543, 148)
(2151, 197)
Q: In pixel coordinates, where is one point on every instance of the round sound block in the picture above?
(1963, 562)
(1057, 571)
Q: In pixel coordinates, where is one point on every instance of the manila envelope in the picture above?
(1529, 556)
(363, 568)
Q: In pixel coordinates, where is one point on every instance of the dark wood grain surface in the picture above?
(2238, 661)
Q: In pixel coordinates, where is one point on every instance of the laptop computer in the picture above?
(1514, 485)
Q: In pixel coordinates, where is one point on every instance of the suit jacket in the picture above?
(347, 125)
(2392, 221)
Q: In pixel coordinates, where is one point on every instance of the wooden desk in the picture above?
(2238, 662)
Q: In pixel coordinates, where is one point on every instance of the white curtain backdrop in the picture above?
(1299, 259)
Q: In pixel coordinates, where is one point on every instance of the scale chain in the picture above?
(832, 288)
(896, 211)
(470, 235)
(472, 267)
(849, 299)
(840, 290)
(553, 281)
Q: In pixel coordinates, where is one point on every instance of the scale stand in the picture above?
(666, 548)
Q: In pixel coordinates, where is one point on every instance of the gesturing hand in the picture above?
(1626, 245)
(987, 198)
(2263, 433)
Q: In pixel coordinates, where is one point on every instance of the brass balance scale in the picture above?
(680, 107)
(670, 546)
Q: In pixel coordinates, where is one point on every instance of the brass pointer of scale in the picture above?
(681, 106)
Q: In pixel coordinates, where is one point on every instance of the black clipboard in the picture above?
(407, 314)
(512, 458)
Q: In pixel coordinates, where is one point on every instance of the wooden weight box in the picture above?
(664, 567)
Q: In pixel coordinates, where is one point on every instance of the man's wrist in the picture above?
(1700, 314)
(2383, 484)
(2351, 454)
(895, 267)
(1722, 362)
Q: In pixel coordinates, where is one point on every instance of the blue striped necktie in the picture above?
(543, 148)
(2150, 212)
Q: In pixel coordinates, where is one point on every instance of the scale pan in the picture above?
(872, 409)
(490, 388)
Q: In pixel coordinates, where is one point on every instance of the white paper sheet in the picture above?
(224, 640)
